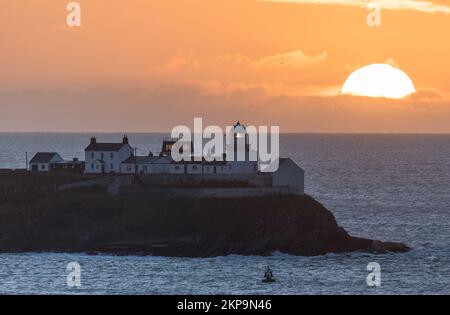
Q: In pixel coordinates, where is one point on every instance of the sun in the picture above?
(379, 80)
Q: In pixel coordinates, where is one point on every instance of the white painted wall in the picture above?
(223, 169)
(159, 166)
(243, 167)
(163, 166)
(290, 174)
(127, 168)
(194, 169)
(112, 160)
(41, 167)
(177, 168)
(208, 169)
(45, 167)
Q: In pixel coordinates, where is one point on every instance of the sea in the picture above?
(391, 187)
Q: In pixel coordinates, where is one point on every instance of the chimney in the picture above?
(125, 139)
(93, 140)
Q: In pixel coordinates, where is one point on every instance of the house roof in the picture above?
(238, 124)
(70, 162)
(147, 160)
(108, 147)
(215, 163)
(159, 159)
(43, 157)
(203, 161)
(295, 165)
(140, 160)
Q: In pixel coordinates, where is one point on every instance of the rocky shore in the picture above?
(92, 221)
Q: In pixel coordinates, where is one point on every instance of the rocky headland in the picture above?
(91, 221)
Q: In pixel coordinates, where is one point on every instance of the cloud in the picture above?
(392, 62)
(290, 72)
(421, 6)
(285, 60)
(295, 58)
(291, 59)
(179, 62)
(163, 106)
(425, 95)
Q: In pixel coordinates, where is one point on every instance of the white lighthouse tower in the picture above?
(240, 156)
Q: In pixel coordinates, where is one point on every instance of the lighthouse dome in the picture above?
(239, 128)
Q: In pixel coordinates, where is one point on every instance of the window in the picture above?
(145, 168)
(112, 156)
(102, 155)
(177, 168)
(92, 154)
(194, 167)
(112, 166)
(92, 166)
(43, 167)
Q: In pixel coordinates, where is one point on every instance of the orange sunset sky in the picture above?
(149, 65)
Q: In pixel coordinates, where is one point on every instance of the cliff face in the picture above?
(92, 221)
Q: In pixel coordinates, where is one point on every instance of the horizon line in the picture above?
(282, 133)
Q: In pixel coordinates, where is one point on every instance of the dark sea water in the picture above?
(387, 187)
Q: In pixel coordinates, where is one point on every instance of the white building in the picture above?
(101, 158)
(291, 175)
(146, 165)
(239, 150)
(194, 168)
(165, 165)
(135, 165)
(239, 153)
(42, 160)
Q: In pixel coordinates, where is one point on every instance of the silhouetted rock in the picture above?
(92, 221)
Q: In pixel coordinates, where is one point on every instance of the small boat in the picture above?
(268, 276)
